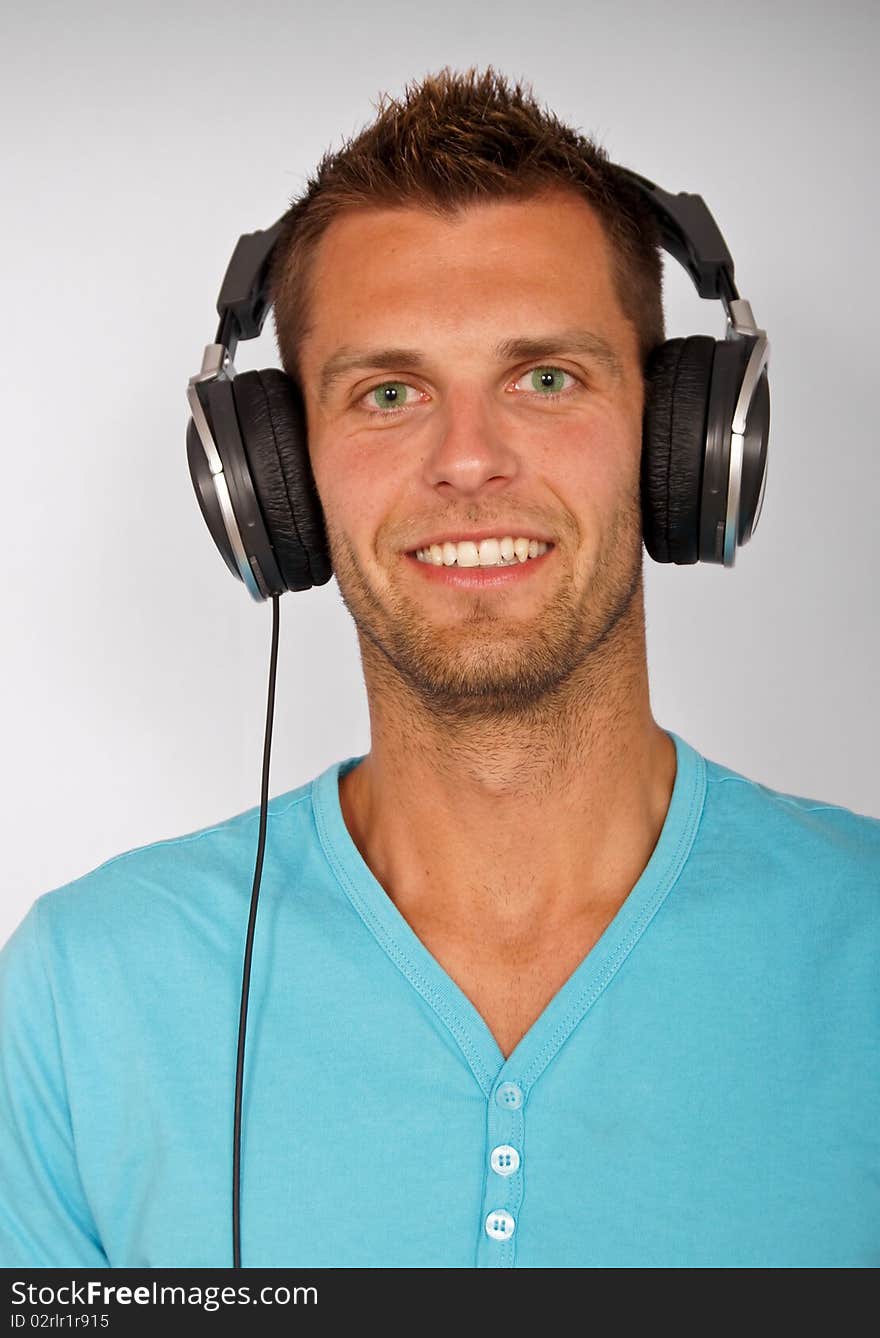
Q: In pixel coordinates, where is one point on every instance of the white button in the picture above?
(504, 1159)
(509, 1096)
(499, 1224)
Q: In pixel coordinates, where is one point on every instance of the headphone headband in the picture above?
(688, 232)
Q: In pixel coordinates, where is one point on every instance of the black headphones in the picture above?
(704, 437)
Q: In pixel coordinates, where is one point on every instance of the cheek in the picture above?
(349, 478)
(591, 463)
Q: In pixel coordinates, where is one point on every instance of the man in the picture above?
(534, 983)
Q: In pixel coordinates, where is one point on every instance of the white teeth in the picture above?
(487, 553)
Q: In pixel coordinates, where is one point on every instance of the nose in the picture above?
(473, 449)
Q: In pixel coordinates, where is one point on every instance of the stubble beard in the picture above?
(493, 666)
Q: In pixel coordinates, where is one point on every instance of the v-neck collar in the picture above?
(576, 996)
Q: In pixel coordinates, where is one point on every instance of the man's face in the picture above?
(468, 439)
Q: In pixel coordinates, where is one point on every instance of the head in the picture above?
(467, 296)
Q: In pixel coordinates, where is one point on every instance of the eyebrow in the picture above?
(347, 359)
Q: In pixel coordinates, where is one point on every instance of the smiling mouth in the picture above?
(500, 575)
(487, 554)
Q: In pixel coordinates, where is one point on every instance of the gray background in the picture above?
(139, 142)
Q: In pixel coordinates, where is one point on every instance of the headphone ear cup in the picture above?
(230, 497)
(272, 420)
(678, 379)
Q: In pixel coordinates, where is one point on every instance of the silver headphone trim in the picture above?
(217, 365)
(741, 323)
(758, 360)
(733, 493)
(760, 496)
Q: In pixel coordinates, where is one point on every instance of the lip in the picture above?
(461, 536)
(479, 578)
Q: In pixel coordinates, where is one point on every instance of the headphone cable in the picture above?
(246, 976)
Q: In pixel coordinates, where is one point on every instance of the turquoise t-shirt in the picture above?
(703, 1091)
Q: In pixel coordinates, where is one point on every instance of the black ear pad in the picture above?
(272, 420)
(678, 380)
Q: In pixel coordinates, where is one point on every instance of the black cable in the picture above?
(246, 976)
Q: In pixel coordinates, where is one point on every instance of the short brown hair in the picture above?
(457, 138)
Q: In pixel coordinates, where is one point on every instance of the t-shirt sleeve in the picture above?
(45, 1220)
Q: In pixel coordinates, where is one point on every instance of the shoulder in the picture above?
(192, 884)
(778, 811)
(810, 847)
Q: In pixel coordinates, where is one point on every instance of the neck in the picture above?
(530, 819)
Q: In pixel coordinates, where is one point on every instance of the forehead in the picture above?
(496, 260)
(544, 217)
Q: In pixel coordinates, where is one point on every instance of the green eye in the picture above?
(390, 394)
(550, 379)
